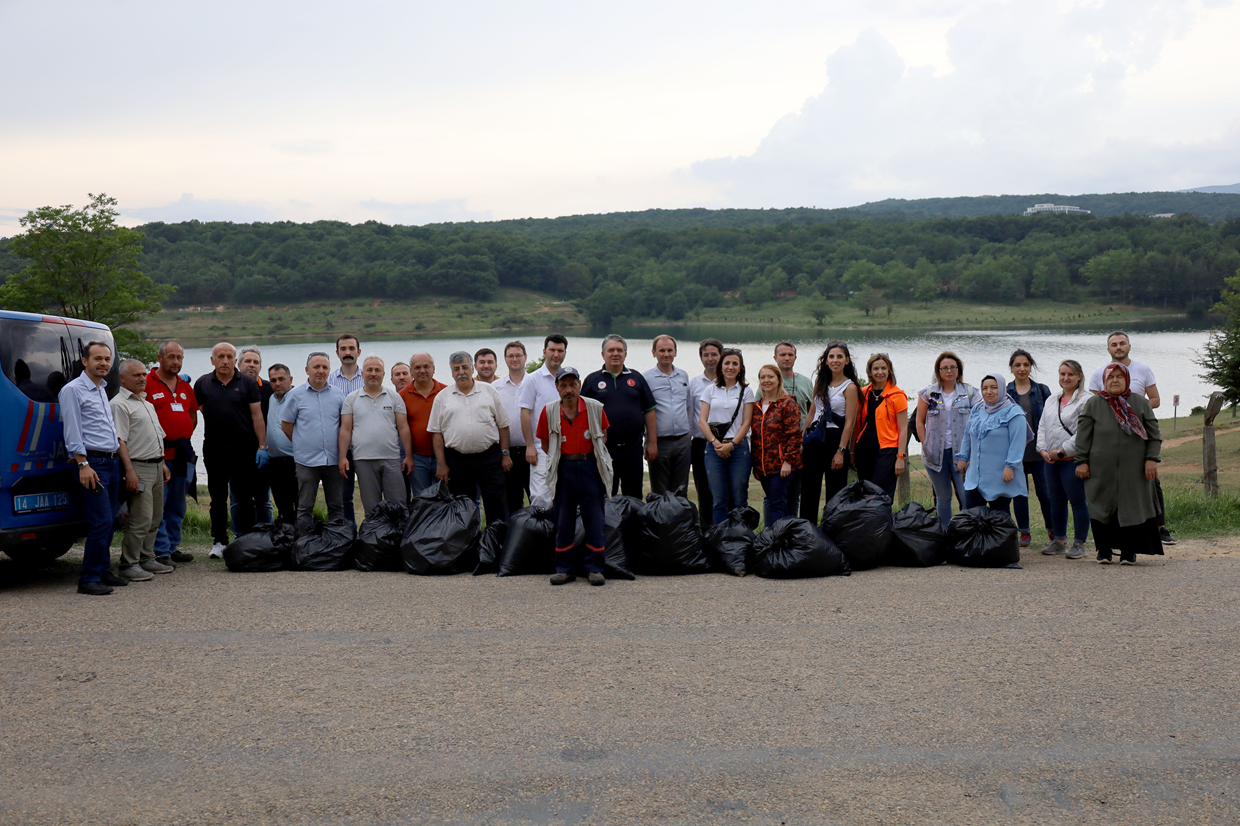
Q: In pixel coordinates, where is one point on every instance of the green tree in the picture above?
(869, 299)
(83, 265)
(1111, 273)
(574, 281)
(1050, 279)
(819, 308)
(1220, 358)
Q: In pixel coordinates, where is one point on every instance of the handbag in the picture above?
(718, 429)
(816, 433)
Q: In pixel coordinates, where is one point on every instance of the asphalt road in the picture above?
(1066, 692)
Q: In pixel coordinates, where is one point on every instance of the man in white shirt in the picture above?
(374, 428)
(537, 391)
(709, 352)
(469, 430)
(517, 480)
(670, 385)
(1140, 381)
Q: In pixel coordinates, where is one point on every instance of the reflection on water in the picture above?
(1168, 349)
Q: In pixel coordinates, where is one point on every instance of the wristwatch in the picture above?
(504, 452)
(83, 465)
(901, 455)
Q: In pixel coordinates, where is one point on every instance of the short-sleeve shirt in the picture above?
(626, 398)
(698, 387)
(1140, 376)
(469, 422)
(315, 415)
(511, 395)
(374, 433)
(175, 408)
(574, 435)
(538, 391)
(722, 401)
(418, 411)
(802, 389)
(226, 410)
(671, 393)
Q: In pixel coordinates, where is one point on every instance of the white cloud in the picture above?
(188, 209)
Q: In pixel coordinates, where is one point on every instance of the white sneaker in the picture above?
(217, 551)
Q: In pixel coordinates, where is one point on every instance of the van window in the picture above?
(35, 357)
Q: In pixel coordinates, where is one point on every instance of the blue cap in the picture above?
(566, 372)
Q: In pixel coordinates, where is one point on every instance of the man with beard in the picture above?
(486, 364)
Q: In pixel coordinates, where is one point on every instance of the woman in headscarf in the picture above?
(992, 453)
(1117, 447)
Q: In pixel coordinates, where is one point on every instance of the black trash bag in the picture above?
(858, 521)
(729, 545)
(264, 549)
(529, 547)
(490, 546)
(918, 539)
(794, 548)
(982, 538)
(377, 547)
(668, 537)
(328, 547)
(618, 516)
(441, 533)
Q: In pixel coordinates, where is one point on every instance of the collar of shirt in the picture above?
(477, 388)
(126, 393)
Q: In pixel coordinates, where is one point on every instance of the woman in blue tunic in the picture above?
(992, 454)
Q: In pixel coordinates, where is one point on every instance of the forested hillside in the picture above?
(1176, 263)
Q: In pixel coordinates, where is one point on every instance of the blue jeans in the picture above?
(168, 540)
(1064, 487)
(100, 505)
(729, 479)
(423, 475)
(779, 492)
(1020, 504)
(946, 480)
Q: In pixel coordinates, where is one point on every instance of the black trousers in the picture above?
(626, 465)
(282, 473)
(469, 473)
(974, 499)
(879, 467)
(230, 466)
(517, 480)
(816, 460)
(706, 502)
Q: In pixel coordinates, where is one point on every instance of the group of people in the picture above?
(566, 443)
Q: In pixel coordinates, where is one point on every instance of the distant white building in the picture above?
(1163, 215)
(1038, 209)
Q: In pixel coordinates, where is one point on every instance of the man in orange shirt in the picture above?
(419, 396)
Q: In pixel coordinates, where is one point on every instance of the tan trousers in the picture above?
(146, 511)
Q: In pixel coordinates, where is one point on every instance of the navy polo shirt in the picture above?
(626, 398)
(226, 410)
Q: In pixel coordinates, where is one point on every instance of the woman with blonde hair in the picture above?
(882, 426)
(1057, 447)
(775, 444)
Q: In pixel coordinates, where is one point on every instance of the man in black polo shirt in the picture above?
(630, 409)
(235, 441)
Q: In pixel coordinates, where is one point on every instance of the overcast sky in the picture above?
(419, 112)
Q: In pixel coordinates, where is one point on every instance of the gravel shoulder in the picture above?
(1064, 693)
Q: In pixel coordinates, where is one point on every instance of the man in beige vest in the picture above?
(573, 432)
(142, 462)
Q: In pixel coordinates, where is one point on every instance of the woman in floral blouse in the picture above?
(776, 444)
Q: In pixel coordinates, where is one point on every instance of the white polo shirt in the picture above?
(537, 391)
(469, 422)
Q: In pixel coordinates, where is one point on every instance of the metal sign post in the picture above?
(1175, 411)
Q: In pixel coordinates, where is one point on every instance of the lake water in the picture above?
(1169, 350)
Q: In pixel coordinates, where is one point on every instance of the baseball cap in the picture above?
(568, 371)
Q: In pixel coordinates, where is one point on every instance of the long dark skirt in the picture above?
(1109, 537)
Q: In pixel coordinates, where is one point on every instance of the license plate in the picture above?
(37, 502)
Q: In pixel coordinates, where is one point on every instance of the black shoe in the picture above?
(112, 579)
(1165, 536)
(181, 556)
(1128, 559)
(1104, 558)
(597, 579)
(561, 579)
(94, 589)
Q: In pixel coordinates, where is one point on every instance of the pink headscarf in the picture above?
(1129, 421)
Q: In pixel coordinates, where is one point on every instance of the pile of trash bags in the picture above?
(982, 538)
(918, 539)
(729, 545)
(667, 537)
(858, 520)
(441, 533)
(327, 547)
(794, 548)
(377, 547)
(265, 549)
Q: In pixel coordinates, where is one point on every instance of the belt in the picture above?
(148, 461)
(679, 436)
(101, 454)
(575, 457)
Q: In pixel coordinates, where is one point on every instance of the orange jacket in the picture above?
(891, 409)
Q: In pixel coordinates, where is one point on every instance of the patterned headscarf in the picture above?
(986, 417)
(1129, 421)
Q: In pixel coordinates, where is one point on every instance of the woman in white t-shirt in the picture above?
(727, 411)
(829, 428)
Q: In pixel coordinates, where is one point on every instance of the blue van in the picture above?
(40, 496)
